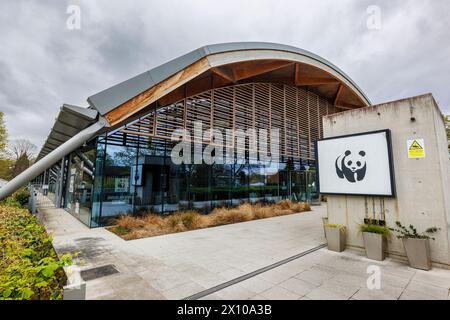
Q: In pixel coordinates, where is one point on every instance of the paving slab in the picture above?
(325, 294)
(279, 293)
(298, 286)
(179, 265)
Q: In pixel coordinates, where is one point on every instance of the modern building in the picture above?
(114, 156)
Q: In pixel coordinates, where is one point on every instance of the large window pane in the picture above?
(153, 182)
(118, 191)
(98, 184)
(80, 184)
(200, 186)
(221, 184)
(257, 182)
(239, 190)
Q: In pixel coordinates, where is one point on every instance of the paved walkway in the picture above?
(179, 265)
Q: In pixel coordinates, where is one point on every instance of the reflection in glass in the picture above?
(80, 184)
(117, 193)
(138, 176)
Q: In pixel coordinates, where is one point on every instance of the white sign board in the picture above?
(359, 164)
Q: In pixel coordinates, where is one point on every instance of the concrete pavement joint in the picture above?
(252, 274)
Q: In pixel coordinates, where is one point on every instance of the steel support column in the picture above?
(46, 162)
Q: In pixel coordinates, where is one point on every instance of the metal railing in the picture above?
(40, 197)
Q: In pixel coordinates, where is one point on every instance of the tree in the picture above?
(21, 148)
(6, 166)
(5, 163)
(22, 151)
(3, 133)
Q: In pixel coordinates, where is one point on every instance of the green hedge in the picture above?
(17, 199)
(29, 266)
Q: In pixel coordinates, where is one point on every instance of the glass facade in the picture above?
(129, 170)
(134, 179)
(107, 180)
(80, 184)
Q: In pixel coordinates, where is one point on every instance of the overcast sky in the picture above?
(43, 64)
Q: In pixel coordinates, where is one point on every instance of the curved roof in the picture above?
(111, 98)
(73, 119)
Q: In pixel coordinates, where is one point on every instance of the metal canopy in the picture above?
(70, 121)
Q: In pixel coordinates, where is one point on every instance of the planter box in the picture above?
(75, 292)
(336, 239)
(418, 253)
(75, 288)
(375, 245)
(324, 223)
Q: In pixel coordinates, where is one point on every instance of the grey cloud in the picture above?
(43, 64)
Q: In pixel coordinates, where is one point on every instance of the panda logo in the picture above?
(351, 166)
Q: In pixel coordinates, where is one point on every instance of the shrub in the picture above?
(29, 266)
(411, 232)
(373, 228)
(335, 226)
(22, 196)
(10, 202)
(18, 199)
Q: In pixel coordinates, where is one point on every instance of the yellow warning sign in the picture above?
(416, 148)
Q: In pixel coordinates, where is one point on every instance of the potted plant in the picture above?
(417, 245)
(336, 237)
(375, 240)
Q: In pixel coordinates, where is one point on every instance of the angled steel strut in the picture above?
(56, 155)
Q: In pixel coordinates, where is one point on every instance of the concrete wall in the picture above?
(423, 185)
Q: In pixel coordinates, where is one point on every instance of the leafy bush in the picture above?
(29, 266)
(18, 199)
(10, 202)
(22, 196)
(373, 228)
(411, 232)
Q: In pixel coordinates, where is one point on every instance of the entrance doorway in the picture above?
(300, 186)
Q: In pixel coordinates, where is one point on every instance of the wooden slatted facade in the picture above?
(296, 112)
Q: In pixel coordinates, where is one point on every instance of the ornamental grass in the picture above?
(149, 224)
